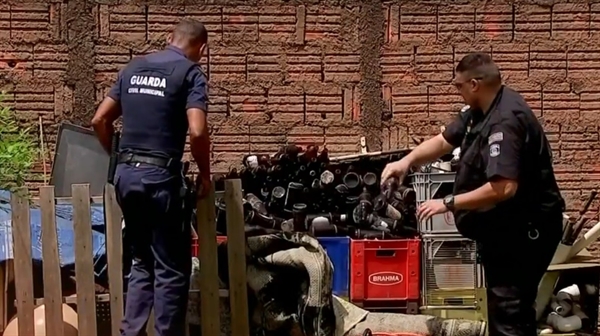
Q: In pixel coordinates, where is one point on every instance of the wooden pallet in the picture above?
(85, 297)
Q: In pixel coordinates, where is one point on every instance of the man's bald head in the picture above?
(190, 31)
(480, 66)
(191, 36)
(477, 79)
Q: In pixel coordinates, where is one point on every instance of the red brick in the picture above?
(300, 32)
(559, 103)
(219, 100)
(343, 140)
(276, 23)
(444, 99)
(306, 135)
(392, 23)
(494, 22)
(418, 23)
(109, 60)
(16, 58)
(230, 138)
(532, 22)
(4, 22)
(512, 59)
(434, 63)
(410, 101)
(570, 21)
(341, 67)
(398, 64)
(63, 100)
(594, 20)
(424, 132)
(162, 19)
(127, 23)
(29, 99)
(240, 23)
(395, 137)
(30, 22)
(456, 23)
(228, 64)
(463, 49)
(322, 23)
(286, 104)
(50, 60)
(548, 61)
(267, 139)
(582, 58)
(304, 65)
(265, 65)
(248, 104)
(324, 102)
(351, 104)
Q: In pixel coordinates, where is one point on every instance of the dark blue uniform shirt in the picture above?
(197, 92)
(510, 143)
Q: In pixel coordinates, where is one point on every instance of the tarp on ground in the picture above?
(64, 227)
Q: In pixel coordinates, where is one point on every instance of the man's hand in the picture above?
(430, 208)
(397, 169)
(203, 186)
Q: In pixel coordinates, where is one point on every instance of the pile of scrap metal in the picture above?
(290, 293)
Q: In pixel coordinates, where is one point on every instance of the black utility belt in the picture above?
(151, 160)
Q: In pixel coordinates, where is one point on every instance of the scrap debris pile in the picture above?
(302, 190)
(566, 309)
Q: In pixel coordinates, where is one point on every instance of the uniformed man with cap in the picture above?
(505, 195)
(160, 97)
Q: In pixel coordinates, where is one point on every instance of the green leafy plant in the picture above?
(18, 149)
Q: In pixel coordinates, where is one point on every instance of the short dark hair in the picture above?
(479, 66)
(190, 31)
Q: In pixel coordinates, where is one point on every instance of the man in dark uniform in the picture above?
(505, 195)
(160, 96)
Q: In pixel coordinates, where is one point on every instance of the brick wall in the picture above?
(320, 71)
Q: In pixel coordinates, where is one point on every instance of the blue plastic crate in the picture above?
(338, 250)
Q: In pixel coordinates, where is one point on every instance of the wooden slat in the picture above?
(84, 266)
(52, 281)
(114, 251)
(21, 232)
(106, 297)
(236, 253)
(3, 299)
(209, 274)
(150, 325)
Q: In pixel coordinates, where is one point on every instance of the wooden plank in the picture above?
(209, 274)
(51, 264)
(69, 200)
(150, 325)
(84, 265)
(236, 253)
(368, 155)
(21, 233)
(114, 251)
(3, 299)
(106, 297)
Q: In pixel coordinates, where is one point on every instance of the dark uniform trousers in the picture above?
(152, 205)
(514, 265)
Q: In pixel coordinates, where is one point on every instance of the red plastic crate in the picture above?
(385, 273)
(196, 247)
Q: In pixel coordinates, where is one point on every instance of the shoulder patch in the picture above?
(494, 150)
(496, 137)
